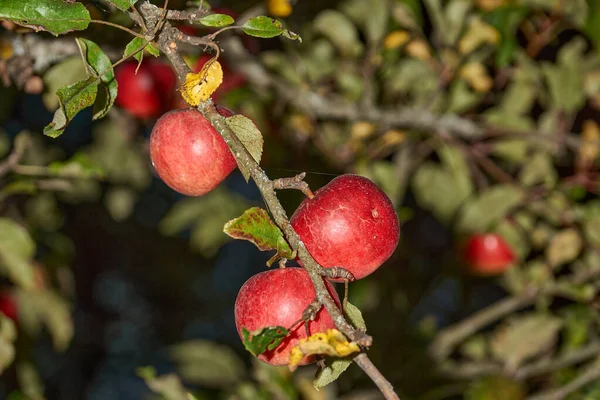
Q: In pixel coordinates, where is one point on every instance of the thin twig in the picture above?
(295, 182)
(449, 337)
(267, 189)
(589, 375)
(472, 370)
(15, 156)
(99, 21)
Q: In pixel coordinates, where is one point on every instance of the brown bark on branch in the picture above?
(167, 42)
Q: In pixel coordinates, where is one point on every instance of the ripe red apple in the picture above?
(165, 80)
(350, 223)
(188, 154)
(8, 306)
(278, 297)
(138, 93)
(488, 254)
(149, 92)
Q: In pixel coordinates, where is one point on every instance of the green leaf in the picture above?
(217, 20)
(169, 386)
(59, 75)
(539, 169)
(261, 340)
(266, 27)
(138, 43)
(480, 213)
(334, 367)
(17, 248)
(524, 337)
(120, 202)
(72, 99)
(340, 31)
(79, 166)
(206, 363)
(437, 189)
(99, 65)
(256, 226)
(8, 335)
(372, 16)
(564, 79)
(579, 321)
(506, 19)
(249, 135)
(564, 247)
(355, 316)
(48, 308)
(122, 5)
(592, 23)
(55, 16)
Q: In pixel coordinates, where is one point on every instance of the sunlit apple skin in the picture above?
(488, 254)
(350, 223)
(188, 154)
(138, 93)
(278, 297)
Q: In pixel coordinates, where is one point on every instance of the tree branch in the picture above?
(168, 45)
(472, 370)
(331, 108)
(448, 338)
(589, 375)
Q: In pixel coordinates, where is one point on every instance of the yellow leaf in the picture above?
(418, 49)
(198, 87)
(279, 8)
(477, 34)
(590, 145)
(361, 130)
(475, 74)
(393, 137)
(395, 39)
(330, 343)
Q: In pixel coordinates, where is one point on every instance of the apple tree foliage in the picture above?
(474, 116)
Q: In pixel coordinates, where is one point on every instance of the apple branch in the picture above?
(332, 108)
(590, 374)
(167, 41)
(447, 339)
(295, 182)
(472, 370)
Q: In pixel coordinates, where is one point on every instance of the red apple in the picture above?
(8, 306)
(350, 223)
(278, 297)
(165, 80)
(138, 93)
(488, 254)
(188, 154)
(148, 93)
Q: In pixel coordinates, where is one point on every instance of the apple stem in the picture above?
(168, 36)
(310, 313)
(337, 273)
(295, 182)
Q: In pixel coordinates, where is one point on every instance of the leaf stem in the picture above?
(98, 21)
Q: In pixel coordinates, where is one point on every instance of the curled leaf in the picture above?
(261, 340)
(198, 87)
(331, 343)
(256, 226)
